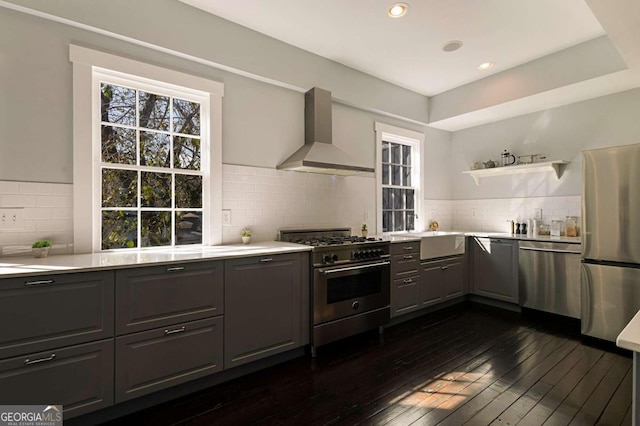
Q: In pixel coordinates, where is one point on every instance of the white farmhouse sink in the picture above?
(434, 244)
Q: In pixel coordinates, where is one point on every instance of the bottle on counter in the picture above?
(523, 229)
(512, 227)
(529, 228)
(517, 228)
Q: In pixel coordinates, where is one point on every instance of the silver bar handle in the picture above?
(407, 256)
(407, 248)
(177, 330)
(407, 280)
(175, 269)
(444, 268)
(354, 268)
(267, 259)
(35, 361)
(549, 250)
(41, 282)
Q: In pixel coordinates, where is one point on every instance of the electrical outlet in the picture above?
(537, 214)
(11, 218)
(226, 217)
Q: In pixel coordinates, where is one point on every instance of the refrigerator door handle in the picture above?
(585, 302)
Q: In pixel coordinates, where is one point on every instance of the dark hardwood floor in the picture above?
(462, 365)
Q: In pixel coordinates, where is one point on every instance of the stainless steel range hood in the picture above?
(319, 155)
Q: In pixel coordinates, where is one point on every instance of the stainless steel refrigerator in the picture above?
(611, 239)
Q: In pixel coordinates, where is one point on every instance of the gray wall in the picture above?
(559, 133)
(262, 123)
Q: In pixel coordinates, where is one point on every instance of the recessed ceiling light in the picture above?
(452, 45)
(485, 66)
(397, 10)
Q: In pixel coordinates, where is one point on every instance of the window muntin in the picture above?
(153, 176)
(398, 191)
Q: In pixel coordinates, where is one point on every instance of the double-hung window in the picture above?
(151, 168)
(147, 155)
(398, 174)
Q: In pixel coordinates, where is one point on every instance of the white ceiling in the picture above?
(408, 51)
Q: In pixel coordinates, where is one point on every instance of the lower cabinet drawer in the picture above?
(80, 378)
(157, 359)
(405, 264)
(405, 295)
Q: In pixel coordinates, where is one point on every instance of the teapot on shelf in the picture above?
(490, 164)
(508, 159)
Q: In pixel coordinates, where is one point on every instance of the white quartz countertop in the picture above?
(629, 337)
(417, 236)
(30, 266)
(570, 240)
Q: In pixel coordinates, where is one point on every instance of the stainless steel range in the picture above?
(351, 282)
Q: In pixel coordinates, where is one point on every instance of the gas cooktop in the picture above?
(335, 241)
(337, 245)
(325, 237)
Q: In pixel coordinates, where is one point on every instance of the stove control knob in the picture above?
(327, 259)
(334, 257)
(370, 253)
(357, 255)
(355, 305)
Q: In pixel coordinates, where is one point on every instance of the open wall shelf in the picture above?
(547, 166)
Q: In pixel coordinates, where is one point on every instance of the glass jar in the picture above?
(572, 226)
(543, 229)
(557, 228)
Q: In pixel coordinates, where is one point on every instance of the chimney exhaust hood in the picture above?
(319, 155)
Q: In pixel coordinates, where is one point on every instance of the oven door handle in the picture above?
(354, 268)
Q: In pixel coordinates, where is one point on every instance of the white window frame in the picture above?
(388, 133)
(89, 67)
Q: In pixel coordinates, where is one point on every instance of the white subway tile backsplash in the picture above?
(493, 215)
(34, 188)
(7, 187)
(48, 214)
(54, 201)
(14, 200)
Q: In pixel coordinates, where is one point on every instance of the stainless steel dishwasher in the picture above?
(549, 275)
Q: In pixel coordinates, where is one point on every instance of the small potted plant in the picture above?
(246, 235)
(41, 248)
(364, 230)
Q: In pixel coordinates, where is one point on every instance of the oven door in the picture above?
(342, 291)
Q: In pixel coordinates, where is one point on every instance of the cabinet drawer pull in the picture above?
(267, 259)
(177, 330)
(41, 282)
(408, 256)
(35, 361)
(175, 268)
(445, 267)
(407, 248)
(407, 281)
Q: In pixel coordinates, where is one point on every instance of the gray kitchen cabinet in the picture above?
(431, 284)
(405, 295)
(51, 311)
(405, 277)
(78, 377)
(495, 268)
(266, 306)
(453, 270)
(157, 359)
(159, 296)
(441, 280)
